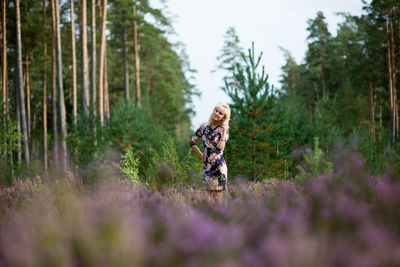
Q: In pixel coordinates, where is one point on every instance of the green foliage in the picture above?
(168, 169)
(231, 55)
(378, 154)
(315, 164)
(8, 146)
(87, 139)
(129, 166)
(251, 148)
(327, 121)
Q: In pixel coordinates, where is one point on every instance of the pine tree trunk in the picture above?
(54, 86)
(253, 151)
(28, 93)
(389, 58)
(101, 65)
(85, 65)
(45, 164)
(372, 106)
(74, 82)
(148, 72)
(126, 69)
(398, 47)
(309, 107)
(18, 110)
(4, 52)
(20, 88)
(4, 66)
(393, 61)
(61, 102)
(137, 58)
(93, 59)
(323, 80)
(106, 93)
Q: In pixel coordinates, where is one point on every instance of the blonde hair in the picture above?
(227, 115)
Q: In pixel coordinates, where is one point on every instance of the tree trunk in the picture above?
(20, 88)
(44, 104)
(148, 72)
(4, 52)
(85, 65)
(372, 107)
(61, 102)
(309, 107)
(54, 86)
(389, 58)
(18, 110)
(137, 58)
(101, 66)
(94, 63)
(398, 47)
(253, 151)
(106, 93)
(393, 61)
(126, 69)
(28, 93)
(4, 66)
(74, 83)
(380, 123)
(323, 80)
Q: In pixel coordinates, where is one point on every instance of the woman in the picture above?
(214, 135)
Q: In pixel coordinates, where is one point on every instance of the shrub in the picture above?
(314, 165)
(129, 166)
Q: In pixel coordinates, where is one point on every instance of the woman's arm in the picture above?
(222, 141)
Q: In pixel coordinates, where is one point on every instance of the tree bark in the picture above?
(61, 102)
(74, 82)
(101, 65)
(4, 66)
(94, 63)
(44, 104)
(54, 86)
(126, 69)
(389, 58)
(372, 106)
(137, 58)
(253, 151)
(28, 93)
(106, 93)
(4, 52)
(85, 65)
(148, 72)
(20, 88)
(323, 80)
(18, 110)
(393, 61)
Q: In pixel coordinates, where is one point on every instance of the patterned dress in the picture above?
(215, 171)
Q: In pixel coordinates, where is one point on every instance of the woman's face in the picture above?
(218, 114)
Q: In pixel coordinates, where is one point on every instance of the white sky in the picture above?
(201, 26)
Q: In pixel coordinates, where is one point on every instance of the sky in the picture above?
(201, 25)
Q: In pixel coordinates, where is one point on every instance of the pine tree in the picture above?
(251, 98)
(231, 55)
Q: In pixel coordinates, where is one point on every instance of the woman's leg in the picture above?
(207, 196)
(217, 196)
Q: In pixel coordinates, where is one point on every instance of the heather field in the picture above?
(346, 218)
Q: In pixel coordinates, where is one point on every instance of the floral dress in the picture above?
(215, 171)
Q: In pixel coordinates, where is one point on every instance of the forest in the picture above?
(95, 164)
